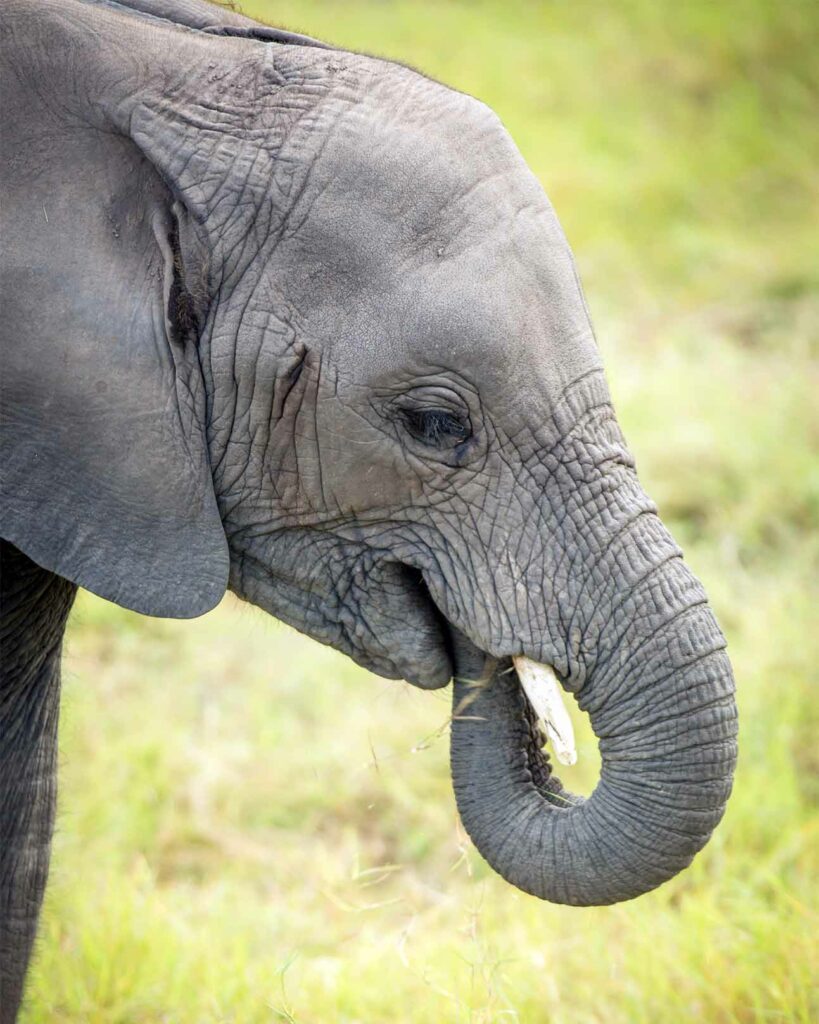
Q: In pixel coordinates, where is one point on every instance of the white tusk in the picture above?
(540, 685)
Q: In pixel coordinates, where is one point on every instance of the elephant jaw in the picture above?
(542, 690)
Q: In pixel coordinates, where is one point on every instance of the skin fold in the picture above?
(302, 323)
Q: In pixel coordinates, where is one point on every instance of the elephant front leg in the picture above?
(34, 605)
(28, 737)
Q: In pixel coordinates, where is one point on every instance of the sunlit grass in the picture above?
(252, 829)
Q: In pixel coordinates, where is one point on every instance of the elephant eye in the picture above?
(438, 428)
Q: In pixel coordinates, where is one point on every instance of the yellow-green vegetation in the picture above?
(252, 829)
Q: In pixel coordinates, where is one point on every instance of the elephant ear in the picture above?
(106, 479)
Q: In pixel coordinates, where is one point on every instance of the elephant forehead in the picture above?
(506, 312)
(421, 241)
(410, 170)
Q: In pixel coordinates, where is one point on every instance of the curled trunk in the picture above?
(661, 704)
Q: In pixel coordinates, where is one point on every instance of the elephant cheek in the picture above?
(390, 618)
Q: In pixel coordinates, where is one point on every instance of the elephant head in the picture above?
(302, 322)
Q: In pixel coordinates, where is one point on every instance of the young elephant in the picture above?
(302, 323)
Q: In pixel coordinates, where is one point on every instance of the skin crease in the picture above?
(302, 322)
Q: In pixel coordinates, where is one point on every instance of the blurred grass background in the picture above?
(251, 829)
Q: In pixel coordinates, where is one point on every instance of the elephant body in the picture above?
(301, 323)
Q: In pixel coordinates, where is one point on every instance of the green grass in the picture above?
(254, 830)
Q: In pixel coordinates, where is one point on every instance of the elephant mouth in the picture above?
(544, 718)
(411, 637)
(545, 729)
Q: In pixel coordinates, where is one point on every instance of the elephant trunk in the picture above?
(660, 700)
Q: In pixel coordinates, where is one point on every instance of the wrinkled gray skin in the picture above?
(302, 323)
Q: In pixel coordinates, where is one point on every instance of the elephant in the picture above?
(300, 323)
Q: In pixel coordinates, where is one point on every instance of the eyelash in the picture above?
(437, 428)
